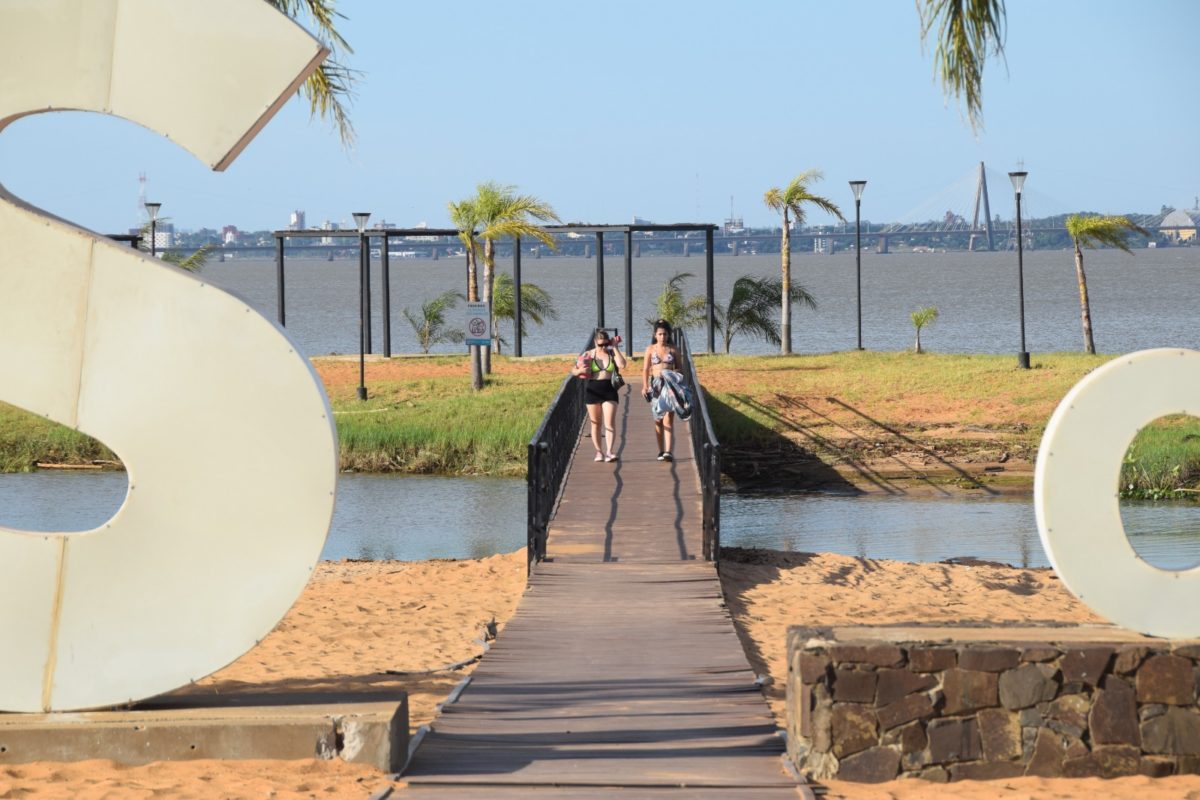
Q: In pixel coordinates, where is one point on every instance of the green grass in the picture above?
(442, 426)
(26, 439)
(1163, 461)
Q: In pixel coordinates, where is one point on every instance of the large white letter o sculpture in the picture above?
(222, 425)
(1076, 487)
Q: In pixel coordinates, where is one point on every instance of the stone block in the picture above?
(934, 775)
(1176, 732)
(1150, 711)
(1153, 767)
(1191, 651)
(1070, 712)
(854, 729)
(1031, 718)
(1085, 664)
(896, 683)
(854, 686)
(1117, 760)
(1084, 766)
(1167, 679)
(813, 666)
(952, 740)
(1113, 718)
(1129, 658)
(912, 707)
(1000, 733)
(1049, 753)
(931, 659)
(1187, 765)
(1039, 653)
(875, 765)
(988, 659)
(1027, 685)
(986, 770)
(806, 711)
(967, 690)
(822, 719)
(880, 655)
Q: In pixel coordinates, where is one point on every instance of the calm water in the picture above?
(412, 518)
(1139, 301)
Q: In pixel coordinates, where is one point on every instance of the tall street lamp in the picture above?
(1018, 182)
(152, 210)
(360, 219)
(857, 187)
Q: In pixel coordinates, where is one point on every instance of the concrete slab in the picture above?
(1066, 634)
(184, 727)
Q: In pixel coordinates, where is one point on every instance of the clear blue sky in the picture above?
(665, 110)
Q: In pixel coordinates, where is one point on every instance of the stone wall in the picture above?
(975, 704)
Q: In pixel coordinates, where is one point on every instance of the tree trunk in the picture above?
(785, 313)
(489, 272)
(1085, 311)
(917, 346)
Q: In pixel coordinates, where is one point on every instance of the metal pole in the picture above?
(387, 300)
(628, 293)
(517, 331)
(367, 289)
(362, 315)
(708, 288)
(279, 280)
(599, 279)
(1023, 356)
(153, 229)
(858, 263)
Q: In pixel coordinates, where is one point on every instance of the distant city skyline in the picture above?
(665, 112)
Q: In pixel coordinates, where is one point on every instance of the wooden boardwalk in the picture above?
(621, 673)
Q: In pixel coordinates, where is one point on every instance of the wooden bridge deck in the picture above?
(621, 671)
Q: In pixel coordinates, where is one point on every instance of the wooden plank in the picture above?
(621, 668)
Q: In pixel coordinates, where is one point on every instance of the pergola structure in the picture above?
(599, 231)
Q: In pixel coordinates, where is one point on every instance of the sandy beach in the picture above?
(398, 625)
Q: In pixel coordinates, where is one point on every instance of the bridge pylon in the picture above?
(981, 193)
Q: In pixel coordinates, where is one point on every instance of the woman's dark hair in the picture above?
(600, 332)
(666, 326)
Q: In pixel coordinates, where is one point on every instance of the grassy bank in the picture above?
(853, 418)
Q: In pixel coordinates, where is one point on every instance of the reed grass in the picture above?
(27, 439)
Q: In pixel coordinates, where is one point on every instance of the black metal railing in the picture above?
(550, 453)
(707, 451)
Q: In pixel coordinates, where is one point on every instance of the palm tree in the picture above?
(502, 213)
(920, 318)
(1088, 232)
(331, 85)
(752, 306)
(464, 217)
(536, 305)
(191, 263)
(967, 30)
(791, 201)
(431, 326)
(671, 305)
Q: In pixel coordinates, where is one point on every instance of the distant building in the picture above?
(229, 234)
(164, 235)
(1184, 224)
(296, 223)
(329, 226)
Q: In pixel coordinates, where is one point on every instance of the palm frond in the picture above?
(192, 263)
(330, 88)
(967, 32)
(1106, 231)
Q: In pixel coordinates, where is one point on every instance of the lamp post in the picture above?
(360, 219)
(152, 210)
(1018, 182)
(857, 187)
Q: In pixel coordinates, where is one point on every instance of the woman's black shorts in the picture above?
(600, 391)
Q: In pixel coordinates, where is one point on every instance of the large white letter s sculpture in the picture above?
(222, 425)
